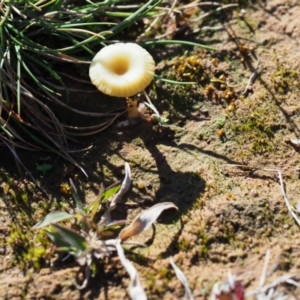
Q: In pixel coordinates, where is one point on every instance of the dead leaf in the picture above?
(106, 218)
(136, 290)
(181, 277)
(295, 142)
(145, 220)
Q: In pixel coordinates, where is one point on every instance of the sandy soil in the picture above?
(216, 161)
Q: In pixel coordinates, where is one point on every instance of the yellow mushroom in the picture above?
(122, 69)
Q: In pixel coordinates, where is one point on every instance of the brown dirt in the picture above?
(228, 217)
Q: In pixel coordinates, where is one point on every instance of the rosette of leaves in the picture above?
(89, 239)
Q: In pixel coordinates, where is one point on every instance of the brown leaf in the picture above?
(144, 220)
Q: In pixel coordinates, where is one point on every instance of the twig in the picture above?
(252, 78)
(285, 197)
(140, 38)
(180, 275)
(275, 283)
(165, 16)
(264, 270)
(218, 9)
(214, 28)
(197, 3)
(171, 9)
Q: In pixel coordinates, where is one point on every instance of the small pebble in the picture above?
(141, 185)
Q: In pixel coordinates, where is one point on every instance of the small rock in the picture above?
(141, 185)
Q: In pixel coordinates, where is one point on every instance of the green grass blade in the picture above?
(19, 60)
(60, 153)
(76, 197)
(42, 86)
(174, 81)
(135, 16)
(46, 66)
(53, 217)
(177, 42)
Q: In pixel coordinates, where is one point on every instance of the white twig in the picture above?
(290, 209)
(171, 9)
(140, 38)
(150, 102)
(252, 78)
(180, 275)
(274, 284)
(136, 290)
(264, 270)
(293, 282)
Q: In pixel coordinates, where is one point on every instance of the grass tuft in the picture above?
(39, 37)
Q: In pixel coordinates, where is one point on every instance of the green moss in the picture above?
(204, 245)
(150, 280)
(254, 126)
(164, 273)
(26, 207)
(140, 257)
(29, 248)
(184, 245)
(285, 79)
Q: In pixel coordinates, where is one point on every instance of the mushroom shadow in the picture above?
(181, 187)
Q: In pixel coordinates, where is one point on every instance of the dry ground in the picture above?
(215, 161)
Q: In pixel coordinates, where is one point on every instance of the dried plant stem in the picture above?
(264, 270)
(252, 78)
(289, 207)
(218, 9)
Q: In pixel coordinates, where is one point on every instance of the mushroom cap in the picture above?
(122, 69)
